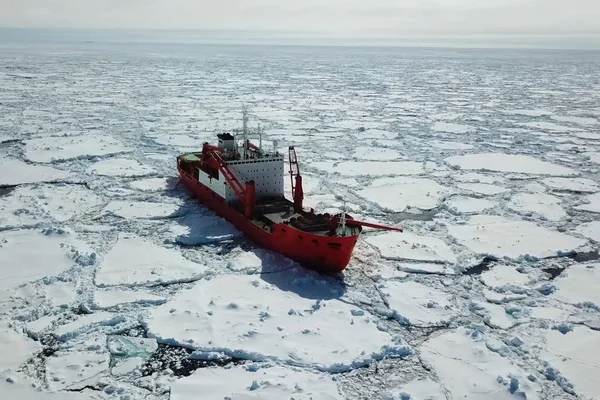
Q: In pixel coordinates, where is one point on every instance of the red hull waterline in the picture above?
(324, 254)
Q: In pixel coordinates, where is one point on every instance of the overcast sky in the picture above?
(348, 18)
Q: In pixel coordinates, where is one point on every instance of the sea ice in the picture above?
(372, 168)
(16, 212)
(451, 145)
(421, 389)
(449, 127)
(49, 149)
(592, 203)
(201, 228)
(255, 382)
(469, 370)
(153, 184)
(110, 298)
(575, 356)
(67, 369)
(15, 172)
(467, 205)
(399, 193)
(501, 237)
(84, 323)
(416, 304)
(482, 188)
(408, 246)
(246, 317)
(504, 275)
(376, 153)
(140, 209)
(578, 284)
(25, 391)
(540, 203)
(125, 167)
(590, 230)
(15, 348)
(508, 163)
(136, 261)
(55, 252)
(62, 202)
(572, 184)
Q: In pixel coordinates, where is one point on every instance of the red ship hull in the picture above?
(324, 254)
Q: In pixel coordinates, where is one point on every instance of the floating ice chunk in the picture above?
(575, 120)
(551, 127)
(469, 370)
(136, 261)
(508, 163)
(25, 391)
(482, 188)
(501, 237)
(55, 252)
(129, 353)
(575, 354)
(85, 322)
(35, 328)
(540, 203)
(495, 315)
(15, 348)
(592, 203)
(594, 156)
(140, 209)
(4, 139)
(269, 383)
(119, 167)
(398, 193)
(62, 202)
(417, 304)
(572, 184)
(408, 246)
(476, 177)
(201, 228)
(153, 184)
(421, 389)
(550, 313)
(372, 168)
(426, 268)
(16, 172)
(579, 284)
(49, 149)
(451, 145)
(449, 127)
(181, 141)
(75, 369)
(17, 212)
(466, 205)
(530, 113)
(61, 293)
(376, 153)
(111, 298)
(590, 230)
(246, 317)
(503, 275)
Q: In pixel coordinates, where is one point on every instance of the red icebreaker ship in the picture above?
(244, 185)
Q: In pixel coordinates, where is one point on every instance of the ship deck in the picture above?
(281, 210)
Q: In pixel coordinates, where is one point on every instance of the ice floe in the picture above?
(466, 205)
(578, 284)
(415, 304)
(15, 347)
(408, 246)
(501, 237)
(449, 127)
(15, 172)
(85, 324)
(591, 203)
(376, 153)
(55, 252)
(451, 145)
(125, 167)
(509, 163)
(72, 370)
(400, 193)
(136, 261)
(482, 188)
(504, 275)
(153, 184)
(111, 298)
(50, 149)
(201, 228)
(246, 317)
(255, 382)
(572, 184)
(590, 230)
(372, 168)
(468, 369)
(61, 202)
(539, 203)
(420, 389)
(140, 209)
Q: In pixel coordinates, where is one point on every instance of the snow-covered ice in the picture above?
(590, 230)
(572, 184)
(502, 237)
(119, 167)
(399, 193)
(111, 298)
(467, 205)
(482, 188)
(578, 284)
(140, 209)
(545, 205)
(15, 348)
(49, 149)
(591, 203)
(256, 382)
(509, 163)
(371, 168)
(16, 172)
(246, 317)
(408, 246)
(137, 261)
